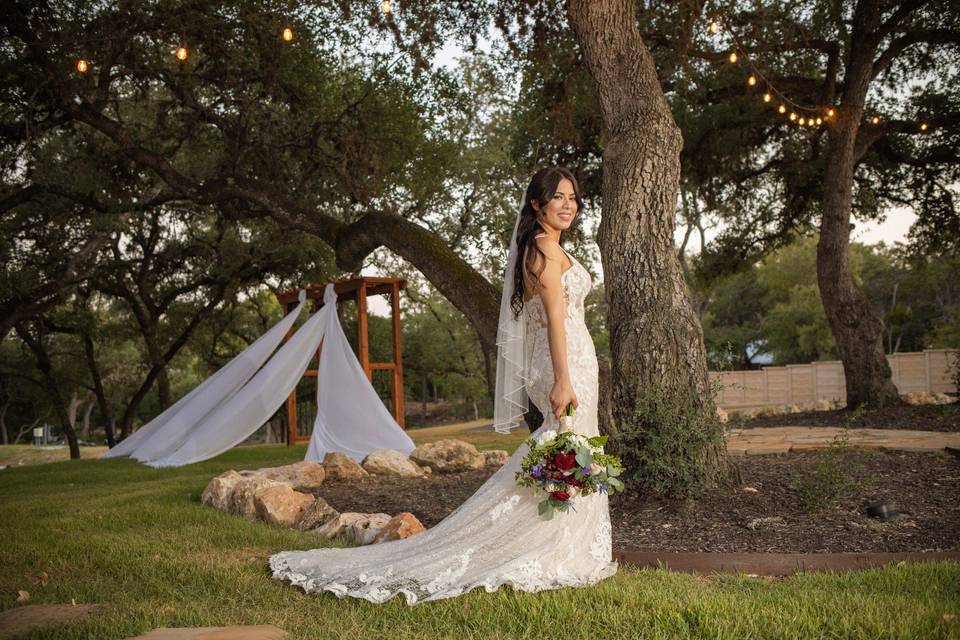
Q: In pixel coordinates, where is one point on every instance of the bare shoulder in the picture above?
(550, 247)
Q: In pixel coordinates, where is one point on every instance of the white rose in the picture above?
(595, 468)
(546, 436)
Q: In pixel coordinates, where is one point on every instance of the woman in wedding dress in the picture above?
(496, 536)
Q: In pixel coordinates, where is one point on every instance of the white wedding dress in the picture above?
(496, 537)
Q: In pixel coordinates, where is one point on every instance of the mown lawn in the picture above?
(137, 540)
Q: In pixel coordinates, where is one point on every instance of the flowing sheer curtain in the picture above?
(350, 415)
(162, 435)
(235, 420)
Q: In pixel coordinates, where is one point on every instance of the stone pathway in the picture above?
(768, 440)
(20, 621)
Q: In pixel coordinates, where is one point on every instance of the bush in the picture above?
(672, 446)
(823, 483)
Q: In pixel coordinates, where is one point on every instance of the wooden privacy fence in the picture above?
(803, 384)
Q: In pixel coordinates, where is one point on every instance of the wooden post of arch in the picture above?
(354, 288)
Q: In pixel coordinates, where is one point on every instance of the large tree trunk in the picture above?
(655, 336)
(857, 330)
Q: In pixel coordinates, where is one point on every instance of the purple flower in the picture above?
(603, 488)
(585, 471)
(537, 471)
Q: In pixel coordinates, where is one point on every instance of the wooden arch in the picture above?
(354, 288)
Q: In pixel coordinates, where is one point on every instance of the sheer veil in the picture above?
(510, 399)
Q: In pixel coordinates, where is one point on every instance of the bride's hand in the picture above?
(560, 396)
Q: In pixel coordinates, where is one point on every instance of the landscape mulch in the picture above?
(924, 486)
(944, 417)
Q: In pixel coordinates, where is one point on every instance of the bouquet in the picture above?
(567, 465)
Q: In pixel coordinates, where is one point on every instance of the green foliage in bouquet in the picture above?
(566, 465)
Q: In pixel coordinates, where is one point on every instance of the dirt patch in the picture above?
(944, 417)
(925, 487)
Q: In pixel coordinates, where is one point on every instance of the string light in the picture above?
(923, 126)
(803, 115)
(875, 120)
(82, 65)
(287, 34)
(181, 54)
(386, 7)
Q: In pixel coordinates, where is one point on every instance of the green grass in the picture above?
(137, 540)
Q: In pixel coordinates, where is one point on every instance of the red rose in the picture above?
(562, 496)
(573, 482)
(565, 460)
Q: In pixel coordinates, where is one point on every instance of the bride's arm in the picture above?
(551, 293)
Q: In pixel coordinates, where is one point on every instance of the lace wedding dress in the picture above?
(496, 537)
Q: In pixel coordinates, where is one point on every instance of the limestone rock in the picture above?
(822, 405)
(317, 514)
(942, 398)
(280, 504)
(449, 456)
(496, 457)
(353, 526)
(302, 476)
(242, 502)
(793, 409)
(366, 530)
(220, 490)
(340, 466)
(387, 462)
(402, 525)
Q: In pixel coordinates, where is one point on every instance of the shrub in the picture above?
(673, 445)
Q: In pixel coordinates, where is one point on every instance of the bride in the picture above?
(497, 537)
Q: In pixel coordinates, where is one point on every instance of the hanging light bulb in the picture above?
(802, 121)
(752, 80)
(810, 122)
(819, 121)
(386, 7)
(287, 34)
(793, 116)
(767, 97)
(733, 56)
(714, 27)
(82, 65)
(830, 113)
(181, 54)
(782, 108)
(875, 120)
(923, 126)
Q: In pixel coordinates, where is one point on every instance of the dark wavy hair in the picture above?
(542, 188)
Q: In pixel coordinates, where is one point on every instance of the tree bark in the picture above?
(655, 336)
(857, 330)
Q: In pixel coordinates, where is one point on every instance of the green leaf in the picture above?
(615, 483)
(584, 457)
(612, 471)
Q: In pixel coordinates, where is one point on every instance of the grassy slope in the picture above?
(137, 539)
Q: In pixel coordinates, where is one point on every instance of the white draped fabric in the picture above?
(350, 415)
(229, 406)
(162, 435)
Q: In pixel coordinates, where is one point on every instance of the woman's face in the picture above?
(561, 210)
